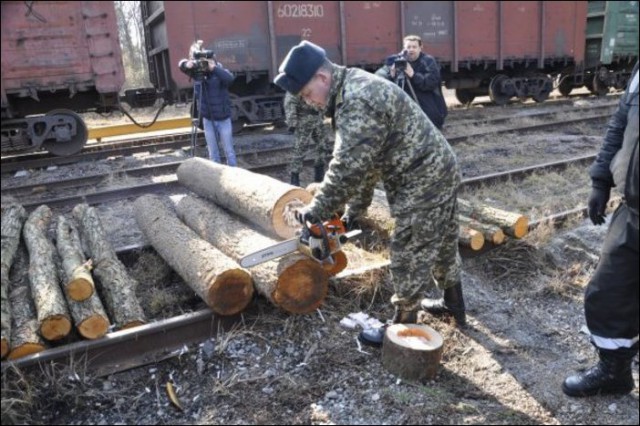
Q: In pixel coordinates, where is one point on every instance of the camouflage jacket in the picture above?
(298, 113)
(382, 134)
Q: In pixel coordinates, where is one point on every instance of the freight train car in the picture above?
(58, 58)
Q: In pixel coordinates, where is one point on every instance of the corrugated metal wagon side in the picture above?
(57, 56)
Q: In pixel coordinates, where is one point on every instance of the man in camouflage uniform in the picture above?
(381, 133)
(310, 134)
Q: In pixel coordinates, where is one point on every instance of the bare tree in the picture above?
(130, 29)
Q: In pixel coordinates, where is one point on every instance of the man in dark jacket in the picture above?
(211, 93)
(420, 79)
(611, 298)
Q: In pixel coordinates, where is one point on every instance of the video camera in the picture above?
(201, 59)
(399, 61)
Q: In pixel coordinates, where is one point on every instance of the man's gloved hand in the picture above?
(303, 215)
(350, 222)
(598, 203)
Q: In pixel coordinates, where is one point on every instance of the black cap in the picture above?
(300, 64)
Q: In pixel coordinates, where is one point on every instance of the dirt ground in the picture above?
(525, 335)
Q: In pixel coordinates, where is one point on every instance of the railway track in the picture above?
(183, 140)
(166, 338)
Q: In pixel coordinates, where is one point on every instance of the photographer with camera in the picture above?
(419, 75)
(211, 95)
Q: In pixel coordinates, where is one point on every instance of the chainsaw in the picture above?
(319, 241)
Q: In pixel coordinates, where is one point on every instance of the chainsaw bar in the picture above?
(270, 253)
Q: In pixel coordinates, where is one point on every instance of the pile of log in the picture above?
(479, 223)
(51, 288)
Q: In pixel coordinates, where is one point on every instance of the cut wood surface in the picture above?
(412, 351)
(53, 315)
(115, 285)
(295, 283)
(224, 286)
(260, 199)
(13, 217)
(470, 238)
(513, 224)
(78, 282)
(490, 232)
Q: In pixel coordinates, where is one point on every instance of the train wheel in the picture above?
(73, 145)
(566, 85)
(496, 90)
(599, 87)
(465, 96)
(544, 92)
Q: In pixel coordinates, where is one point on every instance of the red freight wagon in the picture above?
(56, 55)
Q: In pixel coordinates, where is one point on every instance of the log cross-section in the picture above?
(224, 286)
(294, 283)
(260, 199)
(12, 219)
(511, 223)
(115, 285)
(48, 298)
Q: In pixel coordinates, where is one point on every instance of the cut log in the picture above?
(77, 270)
(24, 334)
(224, 286)
(115, 285)
(470, 238)
(48, 298)
(261, 200)
(294, 283)
(490, 232)
(513, 224)
(412, 351)
(89, 317)
(13, 217)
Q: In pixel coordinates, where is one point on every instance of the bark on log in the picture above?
(490, 232)
(25, 339)
(470, 238)
(53, 315)
(261, 200)
(513, 224)
(89, 317)
(225, 287)
(115, 285)
(12, 219)
(77, 270)
(295, 283)
(412, 351)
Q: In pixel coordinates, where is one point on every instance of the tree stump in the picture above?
(48, 298)
(77, 270)
(116, 286)
(294, 283)
(12, 219)
(412, 351)
(260, 199)
(224, 286)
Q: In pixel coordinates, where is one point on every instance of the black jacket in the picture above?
(427, 84)
(211, 92)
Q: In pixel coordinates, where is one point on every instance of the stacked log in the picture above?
(224, 286)
(12, 219)
(25, 339)
(49, 301)
(490, 232)
(86, 308)
(261, 200)
(470, 238)
(115, 284)
(513, 224)
(295, 283)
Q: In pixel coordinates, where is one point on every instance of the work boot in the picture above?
(295, 179)
(611, 375)
(318, 173)
(375, 336)
(452, 303)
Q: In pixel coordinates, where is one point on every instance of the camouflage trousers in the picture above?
(424, 252)
(312, 140)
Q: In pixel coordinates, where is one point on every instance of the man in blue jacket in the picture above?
(211, 93)
(419, 76)
(611, 298)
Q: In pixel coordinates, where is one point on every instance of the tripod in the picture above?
(401, 80)
(196, 121)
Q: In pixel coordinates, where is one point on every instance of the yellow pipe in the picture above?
(128, 129)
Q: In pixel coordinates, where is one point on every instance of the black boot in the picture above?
(318, 173)
(375, 336)
(611, 375)
(295, 179)
(452, 303)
